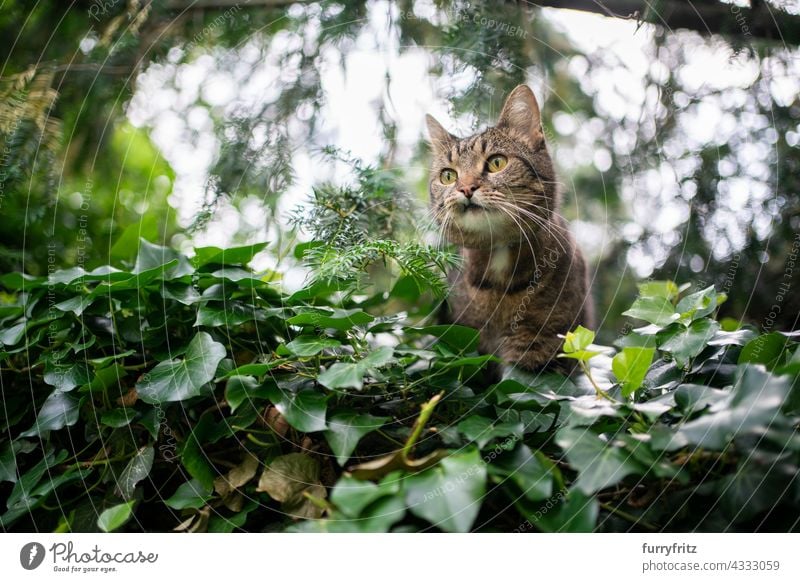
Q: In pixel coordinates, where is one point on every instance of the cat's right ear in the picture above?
(439, 137)
(521, 114)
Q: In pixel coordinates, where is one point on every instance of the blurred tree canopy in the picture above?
(80, 183)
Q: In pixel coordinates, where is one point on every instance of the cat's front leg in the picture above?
(525, 354)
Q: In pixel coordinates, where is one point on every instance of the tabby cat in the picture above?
(524, 280)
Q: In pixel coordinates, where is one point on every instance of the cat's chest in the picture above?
(491, 311)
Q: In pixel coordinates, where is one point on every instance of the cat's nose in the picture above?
(467, 188)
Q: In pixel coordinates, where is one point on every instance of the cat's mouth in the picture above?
(469, 205)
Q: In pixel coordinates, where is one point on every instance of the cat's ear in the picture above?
(440, 138)
(521, 113)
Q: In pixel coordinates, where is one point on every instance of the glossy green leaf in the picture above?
(666, 289)
(171, 263)
(118, 417)
(59, 410)
(531, 472)
(183, 378)
(345, 429)
(137, 469)
(449, 495)
(303, 409)
(769, 349)
(482, 430)
(684, 343)
(230, 256)
(115, 517)
(572, 512)
(190, 495)
(305, 346)
(351, 375)
(578, 339)
(699, 304)
(66, 377)
(600, 463)
(656, 310)
(241, 389)
(751, 408)
(630, 367)
(341, 319)
(195, 460)
(352, 496)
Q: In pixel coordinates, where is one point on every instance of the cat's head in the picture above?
(497, 187)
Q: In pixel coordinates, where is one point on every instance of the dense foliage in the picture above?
(191, 394)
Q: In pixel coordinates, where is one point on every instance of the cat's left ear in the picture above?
(521, 113)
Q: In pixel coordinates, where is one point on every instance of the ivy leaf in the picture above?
(694, 397)
(231, 256)
(657, 310)
(449, 494)
(12, 335)
(190, 495)
(751, 408)
(341, 319)
(576, 342)
(152, 257)
(685, 343)
(137, 469)
(346, 429)
(65, 378)
(482, 430)
(304, 408)
(351, 495)
(382, 514)
(599, 463)
(578, 339)
(77, 304)
(241, 389)
(254, 369)
(343, 375)
(753, 488)
(351, 375)
(8, 462)
(179, 379)
(574, 512)
(194, 458)
(305, 345)
(371, 507)
(666, 289)
(630, 367)
(699, 304)
(769, 349)
(59, 410)
(227, 314)
(115, 517)
(532, 473)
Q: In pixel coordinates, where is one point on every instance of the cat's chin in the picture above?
(478, 227)
(480, 238)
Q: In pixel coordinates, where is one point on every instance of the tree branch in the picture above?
(762, 21)
(223, 4)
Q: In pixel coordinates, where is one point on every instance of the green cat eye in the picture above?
(497, 163)
(448, 176)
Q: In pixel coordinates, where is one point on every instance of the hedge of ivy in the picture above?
(191, 394)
